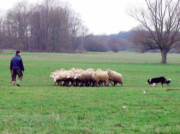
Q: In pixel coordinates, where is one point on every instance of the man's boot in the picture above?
(18, 82)
(13, 83)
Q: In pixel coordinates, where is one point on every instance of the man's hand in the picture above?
(11, 71)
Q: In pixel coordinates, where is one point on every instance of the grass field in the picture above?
(39, 107)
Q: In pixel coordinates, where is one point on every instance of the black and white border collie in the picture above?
(161, 80)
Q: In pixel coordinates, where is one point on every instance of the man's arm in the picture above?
(21, 65)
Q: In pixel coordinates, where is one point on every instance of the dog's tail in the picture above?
(168, 81)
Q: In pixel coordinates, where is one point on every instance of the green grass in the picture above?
(39, 107)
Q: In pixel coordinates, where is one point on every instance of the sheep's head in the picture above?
(52, 75)
(73, 69)
(70, 75)
(108, 71)
(62, 69)
(93, 75)
(77, 76)
(89, 70)
(98, 70)
(55, 79)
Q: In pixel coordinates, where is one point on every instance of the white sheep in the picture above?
(115, 77)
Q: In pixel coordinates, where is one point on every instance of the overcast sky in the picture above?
(99, 16)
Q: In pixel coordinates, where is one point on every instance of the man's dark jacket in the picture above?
(16, 63)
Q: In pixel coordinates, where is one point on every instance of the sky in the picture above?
(99, 16)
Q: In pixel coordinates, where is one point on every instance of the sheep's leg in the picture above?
(93, 84)
(60, 83)
(97, 84)
(121, 84)
(72, 82)
(90, 83)
(102, 84)
(107, 83)
(111, 83)
(86, 84)
(82, 84)
(68, 83)
(54, 83)
(77, 83)
(115, 83)
(64, 83)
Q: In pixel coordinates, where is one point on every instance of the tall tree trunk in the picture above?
(164, 56)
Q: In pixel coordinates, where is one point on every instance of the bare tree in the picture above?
(48, 26)
(160, 26)
(84, 33)
(18, 21)
(1, 29)
(75, 27)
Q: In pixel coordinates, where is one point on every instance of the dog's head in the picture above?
(148, 81)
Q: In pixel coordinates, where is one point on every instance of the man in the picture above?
(17, 68)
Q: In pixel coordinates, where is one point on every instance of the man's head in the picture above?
(18, 52)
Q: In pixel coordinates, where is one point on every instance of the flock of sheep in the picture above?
(89, 77)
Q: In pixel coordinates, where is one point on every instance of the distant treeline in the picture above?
(48, 26)
(114, 42)
(52, 26)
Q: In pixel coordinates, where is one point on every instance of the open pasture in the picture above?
(39, 107)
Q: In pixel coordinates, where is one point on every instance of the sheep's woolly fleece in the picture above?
(88, 77)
